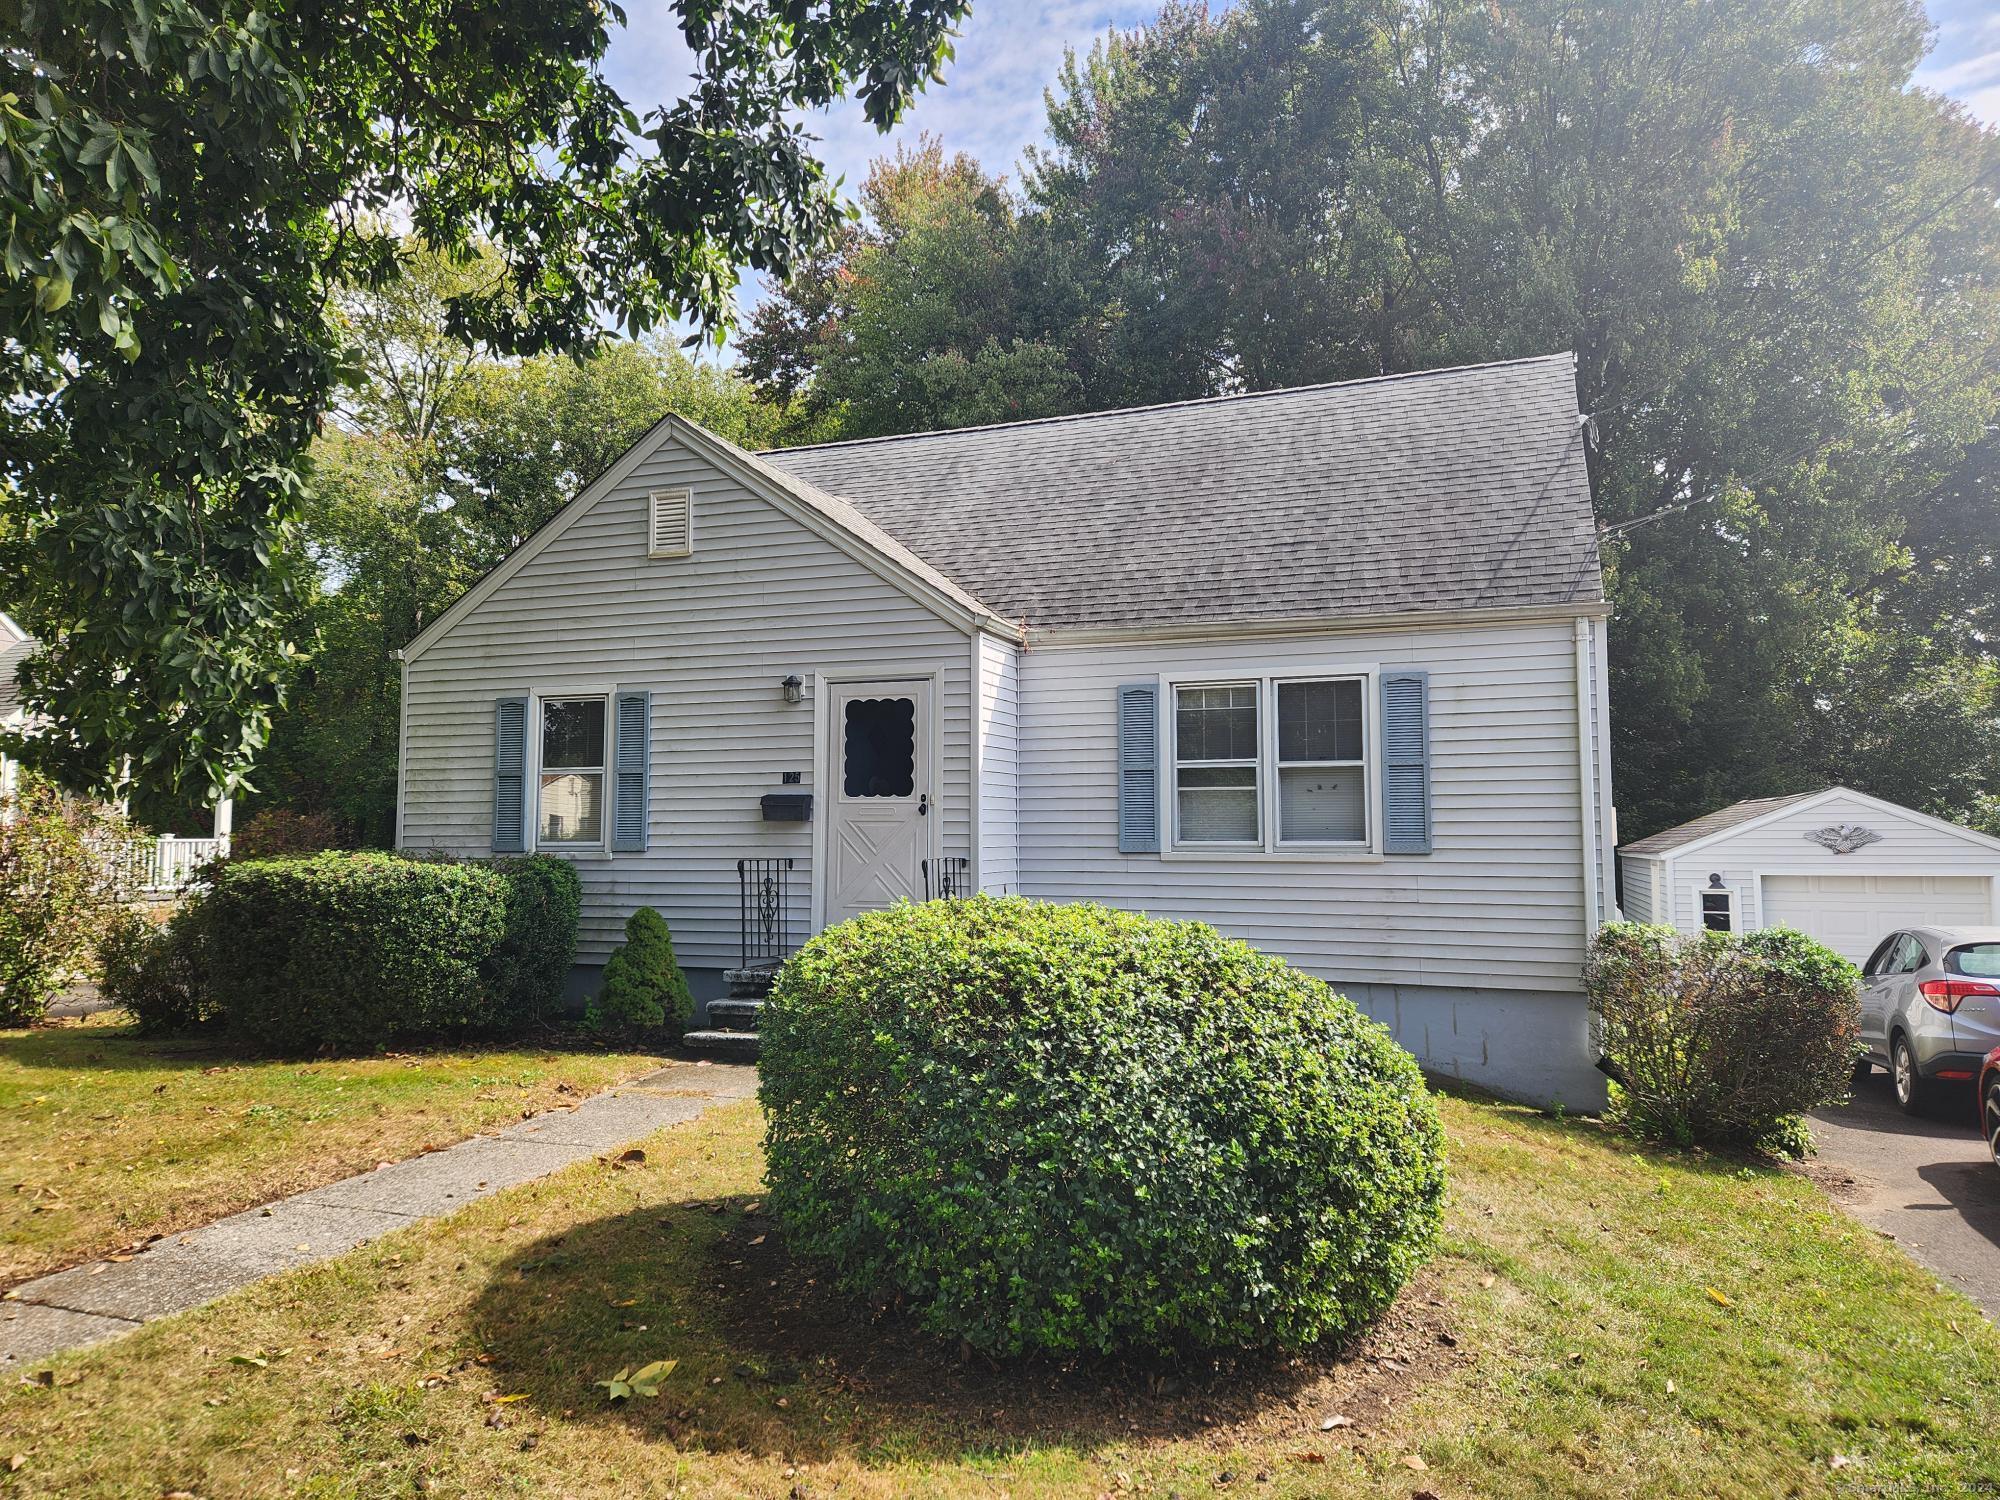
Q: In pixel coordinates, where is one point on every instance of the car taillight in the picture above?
(1944, 994)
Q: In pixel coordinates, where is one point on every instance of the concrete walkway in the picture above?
(103, 1299)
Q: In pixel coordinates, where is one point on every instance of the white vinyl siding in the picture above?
(1635, 896)
(712, 638)
(1498, 905)
(999, 744)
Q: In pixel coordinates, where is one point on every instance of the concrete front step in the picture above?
(734, 1014)
(736, 1044)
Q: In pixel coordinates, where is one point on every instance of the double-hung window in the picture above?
(1272, 764)
(569, 805)
(1216, 765)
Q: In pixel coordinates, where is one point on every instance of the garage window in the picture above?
(1718, 908)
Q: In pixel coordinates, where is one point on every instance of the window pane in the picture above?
(572, 806)
(1325, 805)
(879, 747)
(1715, 910)
(572, 732)
(1319, 720)
(1215, 723)
(1218, 804)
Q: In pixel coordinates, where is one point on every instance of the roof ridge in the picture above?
(1123, 411)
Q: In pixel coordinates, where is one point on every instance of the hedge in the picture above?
(1721, 1038)
(353, 950)
(1072, 1129)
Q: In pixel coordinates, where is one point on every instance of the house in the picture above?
(1323, 667)
(1837, 864)
(16, 645)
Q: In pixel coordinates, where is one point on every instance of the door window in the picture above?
(1910, 957)
(879, 747)
(1878, 961)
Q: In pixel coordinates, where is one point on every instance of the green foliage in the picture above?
(351, 951)
(1071, 1129)
(1779, 270)
(525, 975)
(54, 888)
(914, 321)
(185, 184)
(277, 831)
(158, 971)
(1721, 1038)
(644, 990)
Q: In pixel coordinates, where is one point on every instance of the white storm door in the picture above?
(879, 795)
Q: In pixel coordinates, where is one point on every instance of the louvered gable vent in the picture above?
(673, 524)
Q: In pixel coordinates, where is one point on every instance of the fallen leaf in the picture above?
(255, 1361)
(1341, 1420)
(1718, 1299)
(1413, 1461)
(15, 1463)
(1486, 1281)
(509, 1399)
(1308, 1458)
(1670, 1387)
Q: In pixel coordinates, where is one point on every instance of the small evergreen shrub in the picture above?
(1720, 1038)
(158, 971)
(351, 951)
(525, 976)
(55, 890)
(1072, 1129)
(644, 991)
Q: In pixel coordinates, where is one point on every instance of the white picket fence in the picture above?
(159, 866)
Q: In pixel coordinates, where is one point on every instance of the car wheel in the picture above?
(1913, 1091)
(1990, 1117)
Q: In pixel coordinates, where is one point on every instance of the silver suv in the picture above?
(1930, 1009)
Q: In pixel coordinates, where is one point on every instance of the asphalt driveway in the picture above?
(1929, 1183)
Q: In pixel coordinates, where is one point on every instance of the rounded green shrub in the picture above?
(1072, 1129)
(525, 975)
(1721, 1038)
(158, 971)
(644, 991)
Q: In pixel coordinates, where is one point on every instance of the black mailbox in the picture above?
(787, 807)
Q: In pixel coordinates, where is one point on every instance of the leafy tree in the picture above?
(912, 322)
(185, 183)
(1778, 264)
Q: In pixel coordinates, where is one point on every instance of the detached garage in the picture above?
(1839, 865)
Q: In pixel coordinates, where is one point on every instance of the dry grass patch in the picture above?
(107, 1137)
(1620, 1323)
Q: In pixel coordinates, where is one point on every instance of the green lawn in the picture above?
(106, 1137)
(1603, 1321)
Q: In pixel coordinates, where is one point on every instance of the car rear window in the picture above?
(1982, 960)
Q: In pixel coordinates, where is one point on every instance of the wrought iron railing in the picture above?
(948, 879)
(764, 907)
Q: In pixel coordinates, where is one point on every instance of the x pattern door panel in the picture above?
(877, 836)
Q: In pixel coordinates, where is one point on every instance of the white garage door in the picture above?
(1852, 913)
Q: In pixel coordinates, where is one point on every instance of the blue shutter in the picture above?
(1406, 762)
(632, 781)
(1138, 769)
(510, 775)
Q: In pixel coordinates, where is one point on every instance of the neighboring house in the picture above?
(16, 645)
(1838, 865)
(1324, 667)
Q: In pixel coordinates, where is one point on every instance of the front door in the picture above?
(879, 793)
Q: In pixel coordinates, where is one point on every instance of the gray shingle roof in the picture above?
(1455, 489)
(1669, 839)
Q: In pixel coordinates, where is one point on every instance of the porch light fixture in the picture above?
(795, 688)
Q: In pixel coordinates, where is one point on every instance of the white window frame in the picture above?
(1269, 845)
(537, 702)
(1175, 765)
(1701, 894)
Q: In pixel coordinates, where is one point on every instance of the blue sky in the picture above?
(991, 101)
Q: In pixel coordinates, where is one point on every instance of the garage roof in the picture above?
(1670, 839)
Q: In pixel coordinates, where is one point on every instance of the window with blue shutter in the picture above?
(1138, 769)
(510, 775)
(1406, 762)
(632, 767)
